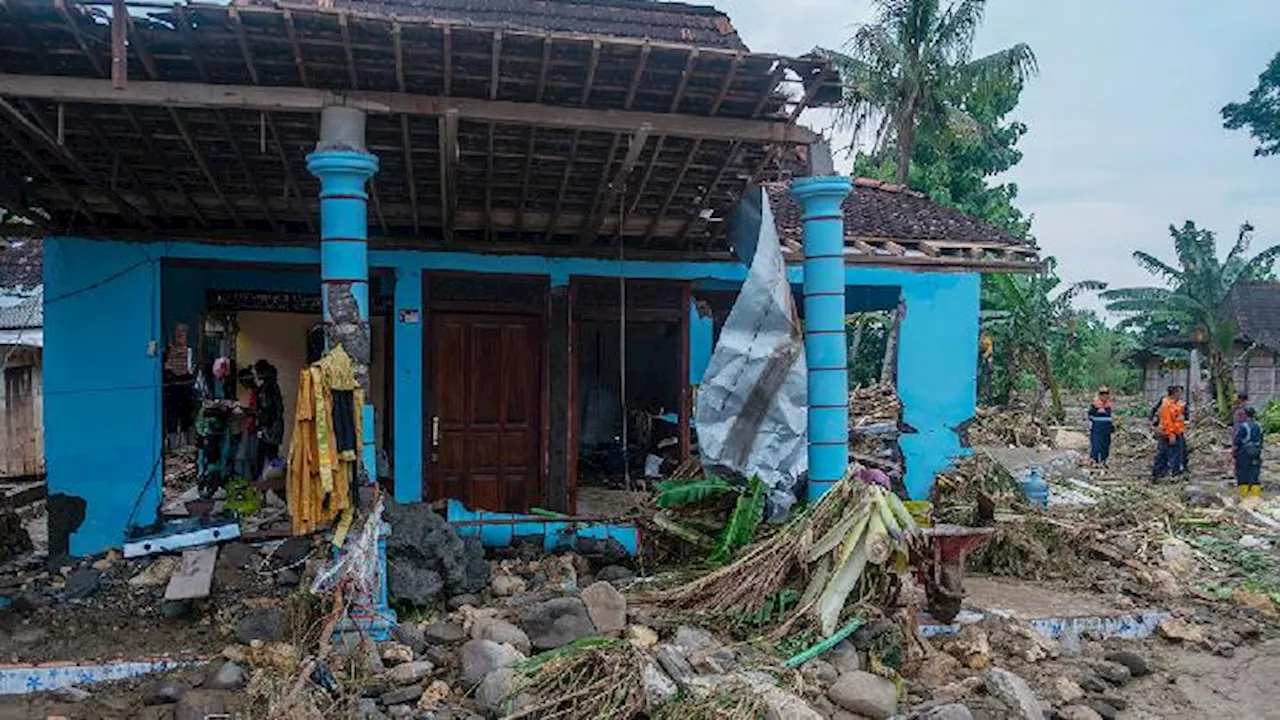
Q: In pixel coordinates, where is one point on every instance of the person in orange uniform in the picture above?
(1171, 435)
(1101, 425)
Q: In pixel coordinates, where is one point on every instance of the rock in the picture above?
(820, 671)
(1177, 556)
(1137, 664)
(501, 631)
(1092, 683)
(481, 657)
(237, 555)
(937, 670)
(507, 585)
(971, 647)
(844, 656)
(267, 625)
(434, 693)
(228, 676)
(779, 704)
(29, 635)
(1014, 692)
(957, 690)
(401, 711)
(614, 573)
(411, 636)
(1101, 708)
(82, 583)
(1258, 601)
(458, 601)
(106, 561)
(443, 633)
(1078, 712)
(865, 694)
(641, 636)
(400, 696)
(288, 578)
(165, 692)
(674, 663)
(157, 573)
(27, 602)
(952, 711)
(1163, 584)
(200, 705)
(1112, 672)
(72, 694)
(409, 673)
(690, 639)
(396, 654)
(556, 623)
(367, 709)
(606, 607)
(1179, 630)
(659, 688)
(175, 609)
(1200, 498)
(426, 557)
(1067, 690)
(498, 693)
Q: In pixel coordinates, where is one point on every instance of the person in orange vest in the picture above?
(1170, 420)
(1101, 424)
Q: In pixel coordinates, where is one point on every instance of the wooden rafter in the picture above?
(641, 65)
(592, 65)
(197, 59)
(671, 194)
(495, 71)
(538, 93)
(564, 185)
(617, 187)
(488, 189)
(291, 183)
(344, 24)
(72, 193)
(298, 60)
(406, 141)
(446, 49)
(448, 131)
(308, 100)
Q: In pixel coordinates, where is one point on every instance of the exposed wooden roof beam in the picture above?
(617, 186)
(72, 193)
(671, 194)
(591, 72)
(308, 100)
(495, 71)
(641, 64)
(448, 129)
(539, 91)
(119, 50)
(735, 151)
(488, 189)
(343, 24)
(446, 49)
(684, 80)
(564, 185)
(298, 61)
(407, 141)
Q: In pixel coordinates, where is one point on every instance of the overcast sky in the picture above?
(1125, 132)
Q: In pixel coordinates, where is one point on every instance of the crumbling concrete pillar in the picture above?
(825, 348)
(343, 167)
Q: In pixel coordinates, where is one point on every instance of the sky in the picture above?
(1125, 135)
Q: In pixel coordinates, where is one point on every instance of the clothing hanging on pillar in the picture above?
(321, 470)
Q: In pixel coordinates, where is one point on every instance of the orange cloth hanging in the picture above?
(314, 499)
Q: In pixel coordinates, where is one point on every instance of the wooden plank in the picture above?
(616, 186)
(194, 577)
(119, 50)
(310, 100)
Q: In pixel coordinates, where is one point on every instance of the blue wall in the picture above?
(102, 388)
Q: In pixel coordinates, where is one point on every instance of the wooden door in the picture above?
(483, 438)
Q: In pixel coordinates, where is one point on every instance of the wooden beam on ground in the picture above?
(617, 186)
(309, 100)
(194, 577)
(448, 129)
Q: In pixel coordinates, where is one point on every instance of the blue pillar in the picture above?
(407, 408)
(344, 169)
(701, 343)
(825, 347)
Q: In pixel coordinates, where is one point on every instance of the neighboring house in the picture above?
(1254, 310)
(486, 177)
(21, 348)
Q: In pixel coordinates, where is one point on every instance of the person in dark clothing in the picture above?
(1101, 425)
(1238, 411)
(1169, 420)
(1246, 449)
(270, 412)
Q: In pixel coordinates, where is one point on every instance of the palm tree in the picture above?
(1195, 296)
(911, 64)
(1022, 315)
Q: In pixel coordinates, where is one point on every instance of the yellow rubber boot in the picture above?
(1255, 491)
(1244, 491)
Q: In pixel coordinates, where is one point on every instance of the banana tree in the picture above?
(1197, 289)
(1022, 313)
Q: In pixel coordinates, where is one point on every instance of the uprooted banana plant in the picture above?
(854, 530)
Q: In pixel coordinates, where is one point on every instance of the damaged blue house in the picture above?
(516, 220)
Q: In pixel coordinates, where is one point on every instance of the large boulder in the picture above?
(267, 625)
(502, 632)
(1014, 692)
(481, 657)
(607, 608)
(556, 623)
(865, 694)
(427, 558)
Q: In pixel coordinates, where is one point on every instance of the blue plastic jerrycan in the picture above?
(1035, 487)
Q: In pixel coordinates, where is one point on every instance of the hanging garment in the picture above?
(319, 479)
(344, 423)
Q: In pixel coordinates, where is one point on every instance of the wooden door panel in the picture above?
(486, 386)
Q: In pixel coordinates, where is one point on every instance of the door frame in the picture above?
(539, 310)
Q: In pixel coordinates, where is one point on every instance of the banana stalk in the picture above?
(837, 591)
(878, 546)
(837, 534)
(816, 583)
(881, 504)
(900, 511)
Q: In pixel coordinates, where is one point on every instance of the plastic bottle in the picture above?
(1035, 487)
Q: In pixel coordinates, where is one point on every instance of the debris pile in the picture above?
(427, 559)
(873, 405)
(1017, 426)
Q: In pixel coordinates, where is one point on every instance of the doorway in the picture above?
(484, 436)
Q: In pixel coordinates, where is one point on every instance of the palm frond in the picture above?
(1017, 62)
(958, 25)
(678, 493)
(1156, 266)
(1243, 236)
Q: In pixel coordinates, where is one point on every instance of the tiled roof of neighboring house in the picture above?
(21, 265)
(26, 315)
(1255, 308)
(886, 219)
(699, 25)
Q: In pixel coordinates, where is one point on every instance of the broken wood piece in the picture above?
(194, 577)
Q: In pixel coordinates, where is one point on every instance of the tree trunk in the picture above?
(1222, 380)
(855, 343)
(906, 144)
(889, 366)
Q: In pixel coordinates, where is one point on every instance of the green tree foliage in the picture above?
(1261, 112)
(1023, 315)
(1088, 354)
(908, 69)
(1194, 296)
(952, 163)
